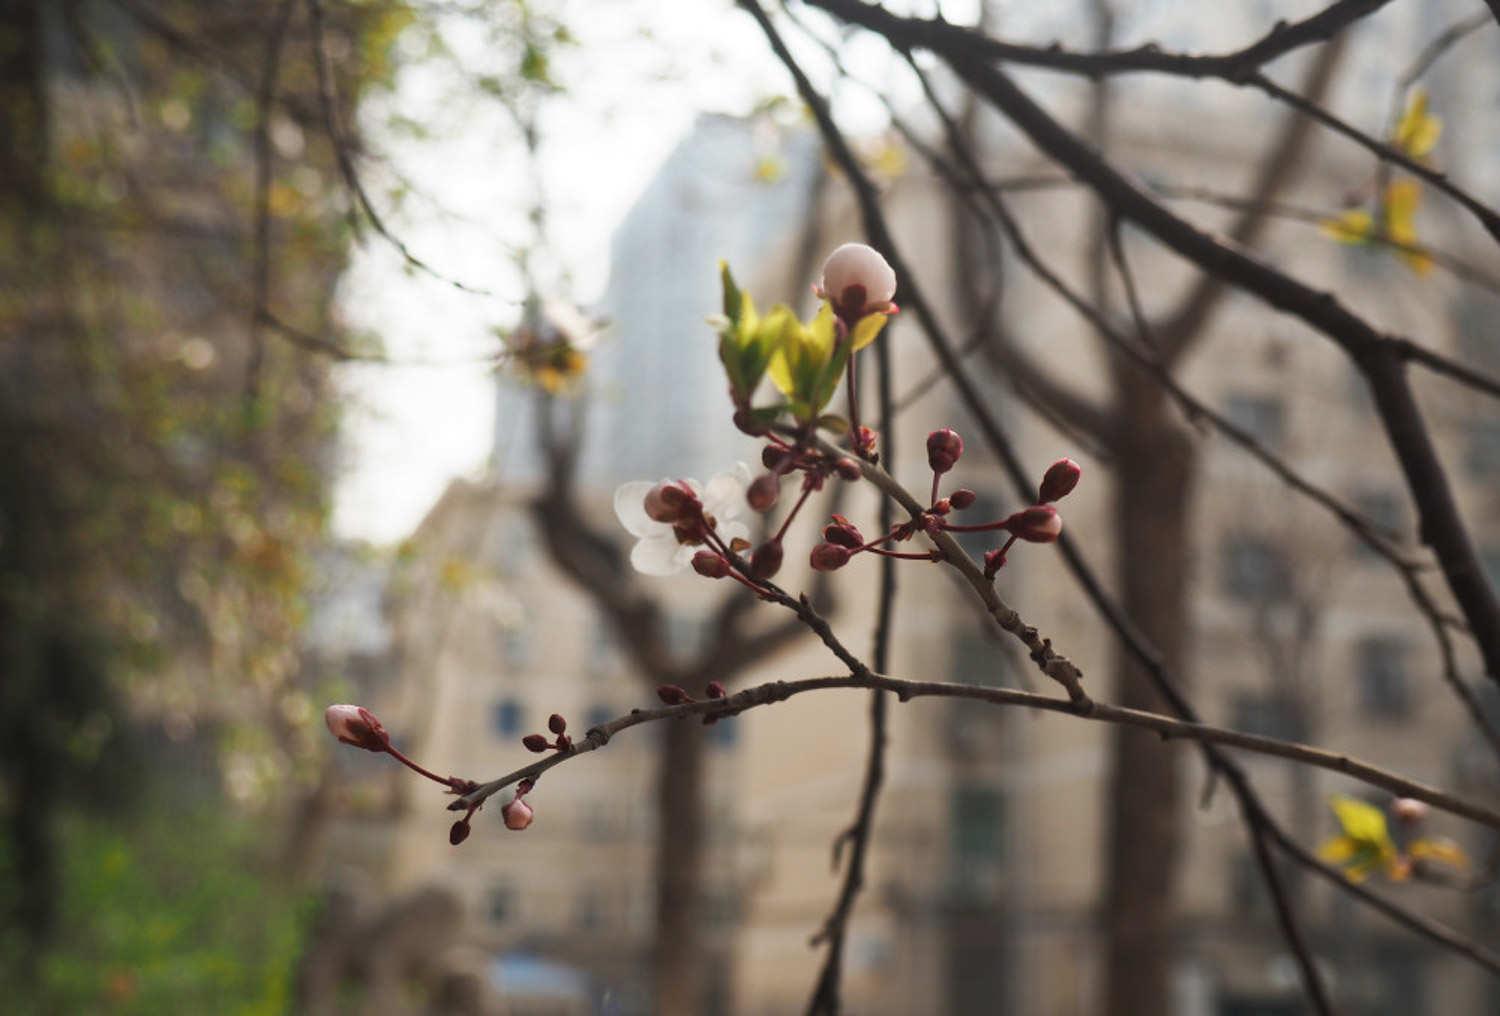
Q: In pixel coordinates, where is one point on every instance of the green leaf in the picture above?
(732, 299)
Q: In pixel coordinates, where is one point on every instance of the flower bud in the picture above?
(766, 561)
(942, 506)
(944, 447)
(994, 560)
(847, 468)
(715, 689)
(459, 831)
(747, 423)
(864, 441)
(556, 723)
(666, 501)
(857, 280)
(772, 457)
(843, 533)
(672, 694)
(1060, 479)
(962, 498)
(358, 726)
(763, 492)
(829, 557)
(1409, 810)
(517, 814)
(535, 742)
(1038, 524)
(710, 565)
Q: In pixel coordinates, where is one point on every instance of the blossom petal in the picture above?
(724, 497)
(630, 508)
(657, 554)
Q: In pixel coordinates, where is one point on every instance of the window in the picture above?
(515, 646)
(1384, 689)
(976, 834)
(1482, 447)
(508, 717)
(1268, 715)
(1255, 570)
(724, 733)
(597, 716)
(1385, 509)
(684, 633)
(501, 902)
(1263, 417)
(975, 659)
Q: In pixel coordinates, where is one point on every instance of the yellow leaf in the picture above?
(1338, 850)
(782, 322)
(1418, 131)
(1401, 201)
(865, 331)
(1443, 851)
(1353, 227)
(1363, 823)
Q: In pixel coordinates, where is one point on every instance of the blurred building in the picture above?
(984, 885)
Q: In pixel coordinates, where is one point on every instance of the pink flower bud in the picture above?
(666, 502)
(1060, 479)
(942, 506)
(710, 565)
(672, 694)
(517, 814)
(847, 469)
(1038, 524)
(843, 533)
(459, 831)
(962, 498)
(716, 689)
(535, 742)
(358, 726)
(763, 492)
(766, 561)
(829, 557)
(1409, 810)
(864, 441)
(857, 280)
(556, 723)
(944, 448)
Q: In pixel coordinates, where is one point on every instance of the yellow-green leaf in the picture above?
(1362, 822)
(1356, 226)
(1418, 131)
(866, 329)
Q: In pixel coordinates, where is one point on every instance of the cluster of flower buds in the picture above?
(561, 742)
(1037, 523)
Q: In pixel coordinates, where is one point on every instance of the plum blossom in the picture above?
(857, 281)
(665, 548)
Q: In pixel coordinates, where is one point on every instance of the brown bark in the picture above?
(677, 967)
(1151, 519)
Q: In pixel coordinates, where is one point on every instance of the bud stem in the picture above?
(395, 753)
(792, 514)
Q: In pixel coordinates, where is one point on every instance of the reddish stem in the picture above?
(936, 476)
(924, 556)
(806, 491)
(395, 753)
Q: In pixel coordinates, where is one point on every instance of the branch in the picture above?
(1185, 326)
(1442, 526)
(1101, 712)
(260, 270)
(961, 45)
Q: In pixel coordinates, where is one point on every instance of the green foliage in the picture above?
(171, 916)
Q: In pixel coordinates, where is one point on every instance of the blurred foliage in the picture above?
(173, 914)
(163, 453)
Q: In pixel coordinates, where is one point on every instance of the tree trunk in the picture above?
(1155, 472)
(678, 975)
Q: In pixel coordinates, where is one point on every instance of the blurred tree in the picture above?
(163, 437)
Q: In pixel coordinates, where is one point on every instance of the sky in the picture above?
(634, 84)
